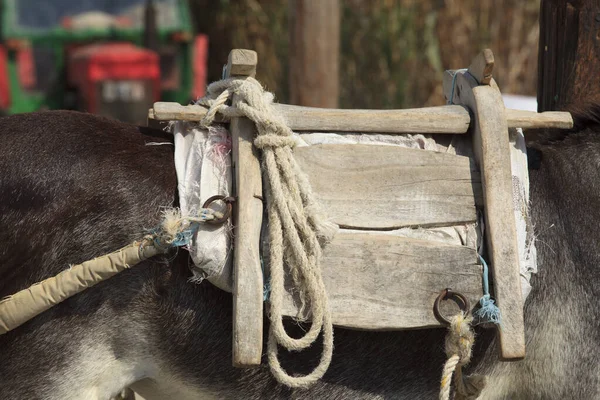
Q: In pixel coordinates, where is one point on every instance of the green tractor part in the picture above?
(110, 57)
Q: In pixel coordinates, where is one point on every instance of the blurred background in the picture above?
(116, 57)
(392, 52)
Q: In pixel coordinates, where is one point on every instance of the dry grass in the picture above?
(393, 52)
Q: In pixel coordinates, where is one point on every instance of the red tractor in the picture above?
(113, 58)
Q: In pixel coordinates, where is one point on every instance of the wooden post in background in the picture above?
(314, 52)
(569, 53)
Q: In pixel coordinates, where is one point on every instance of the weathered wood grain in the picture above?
(482, 66)
(443, 119)
(378, 281)
(451, 119)
(492, 151)
(248, 277)
(530, 120)
(387, 187)
(241, 62)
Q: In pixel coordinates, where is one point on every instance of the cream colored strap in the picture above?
(22, 306)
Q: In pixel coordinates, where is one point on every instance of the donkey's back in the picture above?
(75, 186)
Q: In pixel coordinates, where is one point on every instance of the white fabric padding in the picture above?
(525, 233)
(203, 166)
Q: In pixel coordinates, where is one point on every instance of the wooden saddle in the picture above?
(377, 280)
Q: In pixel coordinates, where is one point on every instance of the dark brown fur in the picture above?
(74, 186)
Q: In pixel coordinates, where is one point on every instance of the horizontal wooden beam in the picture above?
(378, 281)
(444, 119)
(364, 186)
(532, 120)
(451, 119)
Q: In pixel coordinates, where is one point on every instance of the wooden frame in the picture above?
(395, 279)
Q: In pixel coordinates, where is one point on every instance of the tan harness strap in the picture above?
(22, 306)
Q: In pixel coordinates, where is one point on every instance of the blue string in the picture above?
(488, 311)
(451, 99)
(182, 238)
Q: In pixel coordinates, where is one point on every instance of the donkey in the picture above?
(74, 186)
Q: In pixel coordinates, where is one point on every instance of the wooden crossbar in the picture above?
(451, 119)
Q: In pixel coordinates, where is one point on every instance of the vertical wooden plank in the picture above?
(248, 278)
(491, 147)
(314, 52)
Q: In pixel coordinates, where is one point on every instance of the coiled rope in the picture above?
(296, 231)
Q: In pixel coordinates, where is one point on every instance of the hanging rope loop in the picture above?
(296, 230)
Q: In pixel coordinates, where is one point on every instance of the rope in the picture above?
(295, 229)
(173, 231)
(459, 344)
(176, 230)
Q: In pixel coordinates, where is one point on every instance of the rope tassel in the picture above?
(459, 344)
(296, 230)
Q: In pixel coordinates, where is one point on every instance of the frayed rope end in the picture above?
(488, 311)
(173, 231)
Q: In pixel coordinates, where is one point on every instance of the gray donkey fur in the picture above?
(74, 186)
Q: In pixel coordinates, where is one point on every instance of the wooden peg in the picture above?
(247, 278)
(241, 62)
(482, 66)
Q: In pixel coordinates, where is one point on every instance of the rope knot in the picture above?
(176, 230)
(459, 346)
(460, 338)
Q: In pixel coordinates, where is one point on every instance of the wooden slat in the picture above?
(491, 147)
(443, 119)
(378, 281)
(248, 278)
(387, 187)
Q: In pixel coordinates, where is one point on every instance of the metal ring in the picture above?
(448, 294)
(228, 202)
